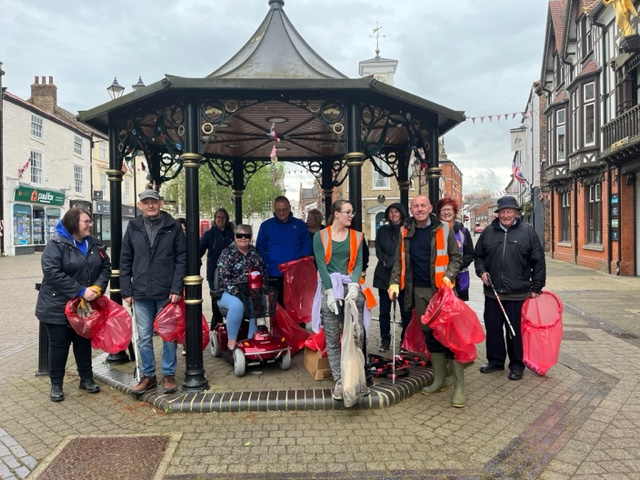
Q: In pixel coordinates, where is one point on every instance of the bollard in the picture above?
(43, 348)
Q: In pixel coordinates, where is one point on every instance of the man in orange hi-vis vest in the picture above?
(427, 257)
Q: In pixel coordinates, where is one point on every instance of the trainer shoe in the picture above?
(146, 383)
(337, 391)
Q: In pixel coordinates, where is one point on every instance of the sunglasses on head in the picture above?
(243, 235)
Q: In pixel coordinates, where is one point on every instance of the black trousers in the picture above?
(495, 325)
(60, 339)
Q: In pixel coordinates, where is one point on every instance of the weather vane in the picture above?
(376, 35)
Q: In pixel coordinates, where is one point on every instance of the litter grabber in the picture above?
(393, 340)
(134, 341)
(506, 317)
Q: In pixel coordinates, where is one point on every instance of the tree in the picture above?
(263, 186)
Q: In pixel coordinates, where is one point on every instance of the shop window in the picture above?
(37, 127)
(52, 217)
(35, 161)
(565, 217)
(589, 114)
(379, 180)
(77, 145)
(21, 225)
(78, 177)
(594, 214)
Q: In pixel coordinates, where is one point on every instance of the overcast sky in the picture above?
(479, 56)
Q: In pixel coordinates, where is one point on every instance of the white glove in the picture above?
(354, 289)
(331, 301)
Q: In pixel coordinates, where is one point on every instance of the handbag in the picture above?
(462, 281)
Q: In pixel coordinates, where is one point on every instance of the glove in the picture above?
(352, 294)
(393, 291)
(447, 283)
(331, 301)
(96, 289)
(84, 309)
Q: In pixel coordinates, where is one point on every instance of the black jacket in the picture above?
(153, 272)
(67, 272)
(387, 238)
(214, 241)
(514, 259)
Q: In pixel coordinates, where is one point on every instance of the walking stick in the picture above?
(393, 371)
(134, 340)
(506, 317)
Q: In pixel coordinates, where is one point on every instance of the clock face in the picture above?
(380, 78)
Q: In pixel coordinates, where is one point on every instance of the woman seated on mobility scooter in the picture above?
(234, 265)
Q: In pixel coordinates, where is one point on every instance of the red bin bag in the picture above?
(300, 283)
(541, 326)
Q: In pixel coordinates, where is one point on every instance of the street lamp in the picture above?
(139, 85)
(115, 89)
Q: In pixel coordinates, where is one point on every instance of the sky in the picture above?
(478, 56)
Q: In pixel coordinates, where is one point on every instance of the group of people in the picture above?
(417, 254)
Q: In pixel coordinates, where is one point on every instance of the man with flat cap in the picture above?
(153, 263)
(509, 254)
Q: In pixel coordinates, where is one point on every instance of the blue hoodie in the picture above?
(280, 242)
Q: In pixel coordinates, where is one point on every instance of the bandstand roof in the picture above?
(275, 79)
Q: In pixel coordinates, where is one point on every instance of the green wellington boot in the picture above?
(458, 400)
(439, 365)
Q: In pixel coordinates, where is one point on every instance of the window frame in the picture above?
(37, 127)
(78, 178)
(565, 216)
(589, 104)
(376, 177)
(78, 145)
(594, 214)
(36, 167)
(561, 134)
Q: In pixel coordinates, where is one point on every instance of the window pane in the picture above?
(589, 124)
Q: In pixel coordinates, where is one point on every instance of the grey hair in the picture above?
(243, 228)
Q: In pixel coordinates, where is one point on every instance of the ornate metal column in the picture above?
(403, 177)
(355, 159)
(434, 172)
(194, 378)
(238, 188)
(114, 175)
(327, 185)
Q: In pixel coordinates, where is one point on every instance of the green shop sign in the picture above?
(37, 195)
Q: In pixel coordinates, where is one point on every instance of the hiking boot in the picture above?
(337, 391)
(146, 383)
(169, 384)
(89, 385)
(56, 395)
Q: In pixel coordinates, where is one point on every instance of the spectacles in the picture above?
(449, 210)
(243, 235)
(87, 222)
(220, 217)
(350, 213)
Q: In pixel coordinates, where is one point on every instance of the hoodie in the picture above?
(387, 238)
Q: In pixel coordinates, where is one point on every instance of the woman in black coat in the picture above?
(74, 265)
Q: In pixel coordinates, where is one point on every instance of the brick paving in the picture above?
(582, 420)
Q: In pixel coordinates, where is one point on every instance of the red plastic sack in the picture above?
(455, 325)
(170, 322)
(87, 327)
(285, 326)
(414, 336)
(317, 341)
(300, 283)
(205, 334)
(115, 335)
(541, 327)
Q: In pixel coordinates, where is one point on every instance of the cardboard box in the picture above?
(317, 365)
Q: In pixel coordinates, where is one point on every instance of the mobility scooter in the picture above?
(264, 347)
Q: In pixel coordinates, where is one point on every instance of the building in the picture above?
(590, 84)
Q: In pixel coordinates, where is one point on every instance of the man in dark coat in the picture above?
(509, 254)
(153, 263)
(387, 238)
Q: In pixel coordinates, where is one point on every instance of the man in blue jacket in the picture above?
(153, 263)
(282, 239)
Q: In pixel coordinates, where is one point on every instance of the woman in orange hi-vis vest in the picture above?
(338, 253)
(428, 257)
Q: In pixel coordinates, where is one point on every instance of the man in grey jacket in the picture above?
(153, 263)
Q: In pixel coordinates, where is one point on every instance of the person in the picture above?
(509, 255)
(387, 238)
(281, 239)
(74, 265)
(234, 264)
(314, 221)
(338, 254)
(447, 211)
(153, 263)
(427, 258)
(214, 241)
(622, 9)
(183, 223)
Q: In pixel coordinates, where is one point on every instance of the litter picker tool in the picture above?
(393, 340)
(134, 340)
(506, 317)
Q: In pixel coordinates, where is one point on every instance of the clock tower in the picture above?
(382, 69)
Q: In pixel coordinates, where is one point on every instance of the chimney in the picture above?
(44, 95)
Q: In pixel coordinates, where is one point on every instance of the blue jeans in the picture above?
(385, 316)
(146, 311)
(235, 314)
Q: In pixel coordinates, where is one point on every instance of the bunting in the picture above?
(499, 116)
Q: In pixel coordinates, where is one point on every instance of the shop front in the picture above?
(102, 220)
(34, 215)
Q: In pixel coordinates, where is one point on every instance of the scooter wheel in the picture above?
(239, 363)
(285, 360)
(215, 344)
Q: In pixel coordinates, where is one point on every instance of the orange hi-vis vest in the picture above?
(442, 256)
(355, 239)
